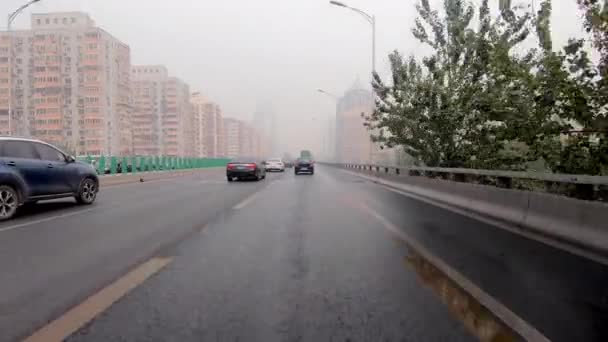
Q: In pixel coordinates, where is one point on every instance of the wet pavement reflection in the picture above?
(477, 319)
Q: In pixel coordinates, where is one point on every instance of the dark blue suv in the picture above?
(31, 170)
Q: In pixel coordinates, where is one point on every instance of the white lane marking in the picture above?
(46, 219)
(520, 326)
(81, 314)
(245, 202)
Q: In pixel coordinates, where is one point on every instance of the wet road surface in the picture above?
(287, 259)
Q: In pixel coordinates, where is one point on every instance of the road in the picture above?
(328, 257)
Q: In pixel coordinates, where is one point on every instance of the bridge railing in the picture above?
(577, 186)
(545, 209)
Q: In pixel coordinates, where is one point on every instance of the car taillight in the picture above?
(230, 166)
(251, 166)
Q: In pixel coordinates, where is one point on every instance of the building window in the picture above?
(38, 21)
(56, 21)
(47, 21)
(73, 20)
(65, 21)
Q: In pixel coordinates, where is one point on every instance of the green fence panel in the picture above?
(101, 165)
(157, 163)
(133, 164)
(113, 165)
(125, 165)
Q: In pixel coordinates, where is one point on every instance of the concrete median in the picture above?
(112, 180)
(583, 225)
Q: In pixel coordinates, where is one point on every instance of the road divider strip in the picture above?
(508, 317)
(77, 317)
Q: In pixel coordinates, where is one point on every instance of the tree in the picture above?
(446, 109)
(474, 102)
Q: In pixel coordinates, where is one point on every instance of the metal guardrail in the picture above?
(578, 186)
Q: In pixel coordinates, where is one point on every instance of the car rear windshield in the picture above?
(243, 160)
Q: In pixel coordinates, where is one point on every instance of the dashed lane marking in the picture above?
(64, 326)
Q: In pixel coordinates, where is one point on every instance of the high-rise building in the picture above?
(213, 133)
(264, 122)
(198, 102)
(148, 89)
(163, 120)
(233, 136)
(177, 134)
(353, 142)
(69, 84)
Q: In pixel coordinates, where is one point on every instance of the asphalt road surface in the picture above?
(291, 258)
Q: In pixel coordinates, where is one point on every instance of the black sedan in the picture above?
(245, 168)
(304, 165)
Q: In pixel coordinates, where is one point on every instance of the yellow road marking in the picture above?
(64, 326)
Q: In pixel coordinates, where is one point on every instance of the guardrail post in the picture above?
(133, 164)
(386, 169)
(397, 171)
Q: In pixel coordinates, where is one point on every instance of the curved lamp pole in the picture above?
(371, 19)
(11, 18)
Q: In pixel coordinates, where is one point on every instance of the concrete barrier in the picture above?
(577, 223)
(111, 180)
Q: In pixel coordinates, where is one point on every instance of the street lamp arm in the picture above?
(366, 16)
(13, 15)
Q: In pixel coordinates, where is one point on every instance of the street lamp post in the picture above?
(372, 20)
(11, 18)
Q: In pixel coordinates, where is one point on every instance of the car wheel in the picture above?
(87, 192)
(230, 179)
(9, 201)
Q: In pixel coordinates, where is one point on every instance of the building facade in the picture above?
(149, 107)
(213, 129)
(70, 85)
(233, 136)
(353, 142)
(198, 102)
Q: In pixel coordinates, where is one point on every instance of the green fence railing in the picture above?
(134, 164)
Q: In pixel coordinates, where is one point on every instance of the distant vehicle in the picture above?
(288, 163)
(245, 168)
(305, 154)
(32, 170)
(275, 164)
(304, 165)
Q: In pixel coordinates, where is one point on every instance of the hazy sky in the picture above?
(243, 52)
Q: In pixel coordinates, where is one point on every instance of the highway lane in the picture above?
(311, 258)
(57, 253)
(299, 262)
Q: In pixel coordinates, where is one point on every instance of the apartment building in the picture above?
(177, 134)
(213, 130)
(353, 142)
(148, 89)
(232, 134)
(198, 102)
(70, 85)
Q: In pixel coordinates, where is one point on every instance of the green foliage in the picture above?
(481, 100)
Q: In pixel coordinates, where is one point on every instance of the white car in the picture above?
(275, 164)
